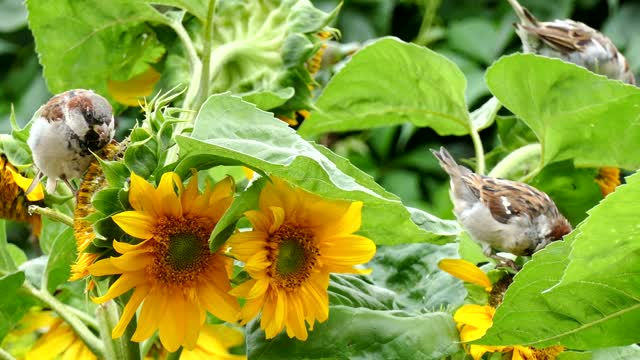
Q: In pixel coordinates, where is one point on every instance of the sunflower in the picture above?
(473, 320)
(59, 339)
(297, 239)
(175, 276)
(214, 343)
(608, 179)
(13, 202)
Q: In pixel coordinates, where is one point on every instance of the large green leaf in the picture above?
(581, 288)
(13, 302)
(361, 333)
(412, 272)
(574, 112)
(87, 43)
(6, 261)
(390, 82)
(228, 130)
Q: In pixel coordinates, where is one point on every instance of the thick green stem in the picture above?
(115, 349)
(477, 146)
(516, 159)
(203, 90)
(52, 214)
(83, 332)
(194, 61)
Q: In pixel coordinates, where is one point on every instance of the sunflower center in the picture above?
(181, 250)
(293, 256)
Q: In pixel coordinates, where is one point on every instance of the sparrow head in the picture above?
(90, 118)
(560, 228)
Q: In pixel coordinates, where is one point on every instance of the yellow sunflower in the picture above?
(175, 276)
(297, 239)
(58, 342)
(13, 203)
(473, 320)
(608, 179)
(214, 343)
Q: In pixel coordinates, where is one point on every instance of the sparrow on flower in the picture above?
(67, 129)
(502, 215)
(571, 41)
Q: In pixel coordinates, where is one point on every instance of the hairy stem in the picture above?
(203, 90)
(194, 61)
(477, 146)
(122, 347)
(83, 332)
(514, 160)
(52, 214)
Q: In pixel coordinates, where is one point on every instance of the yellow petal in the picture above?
(277, 214)
(221, 197)
(154, 304)
(295, 318)
(130, 92)
(172, 323)
(347, 250)
(136, 224)
(142, 196)
(219, 302)
(167, 197)
(132, 261)
(129, 310)
(465, 271)
(260, 221)
(478, 316)
(36, 194)
(123, 247)
(103, 267)
(124, 283)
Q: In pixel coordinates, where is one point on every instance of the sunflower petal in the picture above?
(167, 197)
(126, 282)
(142, 196)
(137, 224)
(129, 310)
(465, 271)
(154, 304)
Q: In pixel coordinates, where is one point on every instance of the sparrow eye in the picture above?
(89, 117)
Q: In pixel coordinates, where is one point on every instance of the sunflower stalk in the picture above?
(52, 214)
(121, 348)
(83, 332)
(515, 160)
(203, 90)
(5, 355)
(175, 355)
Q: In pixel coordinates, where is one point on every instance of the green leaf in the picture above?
(573, 190)
(59, 265)
(488, 40)
(34, 270)
(84, 44)
(13, 15)
(582, 287)
(370, 92)
(13, 302)
(358, 291)
(267, 100)
(361, 333)
(573, 112)
(230, 131)
(16, 151)
(106, 201)
(7, 263)
(141, 158)
(116, 172)
(484, 116)
(412, 272)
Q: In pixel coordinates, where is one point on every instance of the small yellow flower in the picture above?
(473, 321)
(13, 203)
(59, 340)
(465, 271)
(214, 343)
(174, 275)
(297, 239)
(608, 179)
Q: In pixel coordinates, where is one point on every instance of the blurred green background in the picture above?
(472, 33)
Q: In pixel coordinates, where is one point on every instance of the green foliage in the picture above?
(230, 131)
(573, 112)
(355, 100)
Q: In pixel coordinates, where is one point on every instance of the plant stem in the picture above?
(92, 342)
(203, 90)
(194, 60)
(517, 158)
(52, 214)
(477, 146)
(121, 348)
(5, 355)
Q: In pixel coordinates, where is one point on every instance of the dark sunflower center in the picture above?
(293, 255)
(184, 250)
(181, 250)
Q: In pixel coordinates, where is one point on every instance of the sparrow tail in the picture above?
(523, 14)
(448, 163)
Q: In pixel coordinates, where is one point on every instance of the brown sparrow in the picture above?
(500, 214)
(571, 41)
(67, 129)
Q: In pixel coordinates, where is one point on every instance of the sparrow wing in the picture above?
(564, 36)
(506, 199)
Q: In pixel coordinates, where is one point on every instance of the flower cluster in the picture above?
(297, 239)
(473, 320)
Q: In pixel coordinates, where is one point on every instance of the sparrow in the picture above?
(502, 215)
(571, 41)
(67, 130)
